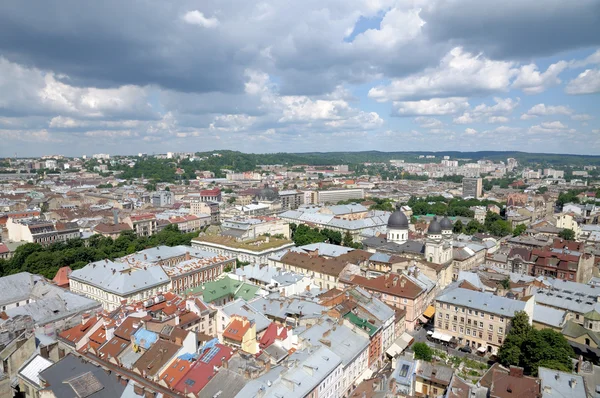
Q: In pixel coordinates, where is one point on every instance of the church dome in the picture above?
(398, 220)
(434, 227)
(267, 194)
(446, 224)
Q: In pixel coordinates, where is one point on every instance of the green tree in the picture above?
(422, 351)
(567, 234)
(458, 227)
(474, 227)
(505, 283)
(348, 241)
(530, 348)
(519, 229)
(231, 200)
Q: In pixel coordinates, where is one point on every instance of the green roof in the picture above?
(214, 290)
(362, 323)
(593, 315)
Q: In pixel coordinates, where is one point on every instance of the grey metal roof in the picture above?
(344, 342)
(322, 361)
(561, 384)
(483, 301)
(226, 383)
(17, 287)
(120, 282)
(70, 367)
(243, 308)
(549, 316)
(282, 307)
(53, 304)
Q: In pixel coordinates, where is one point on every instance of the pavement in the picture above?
(421, 336)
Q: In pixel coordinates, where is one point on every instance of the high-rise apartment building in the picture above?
(472, 187)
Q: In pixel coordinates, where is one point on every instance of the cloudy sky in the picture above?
(285, 75)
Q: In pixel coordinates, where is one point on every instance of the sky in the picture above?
(123, 77)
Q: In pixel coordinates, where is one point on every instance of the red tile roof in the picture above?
(175, 372)
(62, 276)
(273, 332)
(393, 284)
(3, 249)
(203, 370)
(76, 333)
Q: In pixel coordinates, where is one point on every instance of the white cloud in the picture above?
(555, 127)
(196, 17)
(492, 113)
(470, 131)
(582, 117)
(531, 81)
(431, 107)
(588, 82)
(498, 119)
(546, 110)
(428, 122)
(397, 26)
(458, 73)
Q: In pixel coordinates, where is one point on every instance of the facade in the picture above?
(198, 208)
(147, 274)
(162, 199)
(480, 320)
(255, 251)
(334, 196)
(291, 199)
(472, 187)
(143, 224)
(40, 231)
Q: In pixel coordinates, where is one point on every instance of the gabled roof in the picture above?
(62, 276)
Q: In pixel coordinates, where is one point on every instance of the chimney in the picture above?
(123, 381)
(579, 363)
(224, 363)
(138, 389)
(149, 394)
(187, 256)
(572, 382)
(516, 371)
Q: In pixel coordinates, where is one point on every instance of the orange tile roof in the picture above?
(62, 276)
(175, 372)
(236, 329)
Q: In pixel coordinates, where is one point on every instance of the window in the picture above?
(500, 330)
(439, 323)
(476, 313)
(447, 316)
(502, 319)
(462, 318)
(470, 312)
(480, 334)
(499, 340)
(455, 309)
(491, 328)
(481, 315)
(462, 330)
(480, 324)
(454, 328)
(491, 317)
(468, 332)
(447, 327)
(577, 316)
(489, 337)
(456, 318)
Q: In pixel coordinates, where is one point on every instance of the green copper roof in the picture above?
(361, 323)
(593, 315)
(214, 290)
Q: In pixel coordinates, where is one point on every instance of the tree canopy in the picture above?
(567, 234)
(422, 351)
(530, 348)
(76, 253)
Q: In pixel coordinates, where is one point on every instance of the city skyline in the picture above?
(187, 76)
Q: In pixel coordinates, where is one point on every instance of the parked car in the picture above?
(466, 349)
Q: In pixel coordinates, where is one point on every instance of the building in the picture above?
(143, 224)
(505, 383)
(50, 307)
(477, 319)
(252, 227)
(432, 379)
(472, 187)
(111, 230)
(335, 195)
(162, 199)
(412, 293)
(146, 274)
(556, 383)
(291, 199)
(210, 195)
(199, 208)
(39, 231)
(254, 250)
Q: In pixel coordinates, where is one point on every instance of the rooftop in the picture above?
(257, 245)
